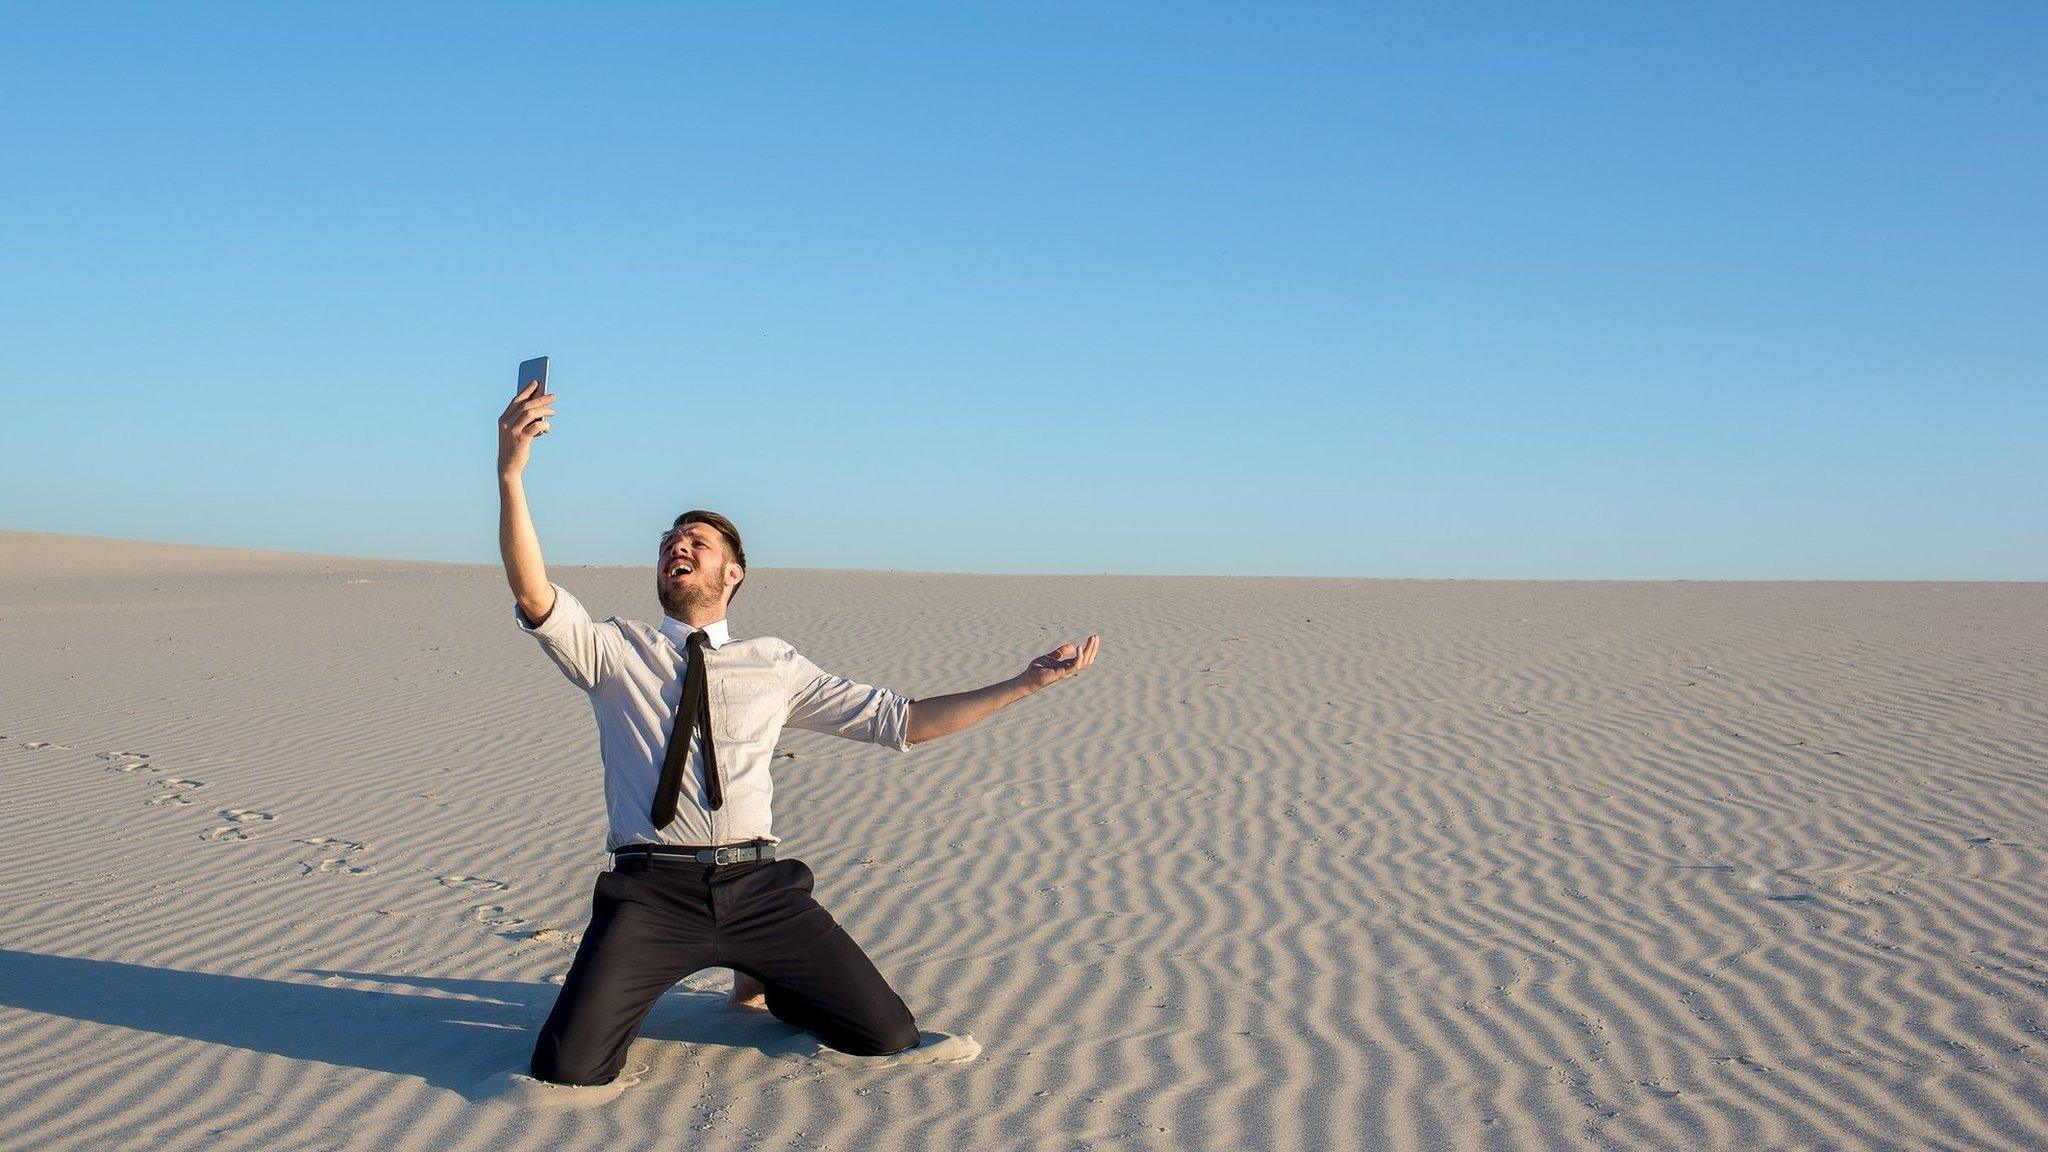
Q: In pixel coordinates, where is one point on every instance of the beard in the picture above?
(693, 591)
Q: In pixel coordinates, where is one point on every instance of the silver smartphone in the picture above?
(531, 370)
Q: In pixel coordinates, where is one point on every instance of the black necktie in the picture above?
(693, 709)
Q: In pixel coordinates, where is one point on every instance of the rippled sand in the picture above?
(295, 849)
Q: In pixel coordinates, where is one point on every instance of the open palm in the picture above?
(1061, 663)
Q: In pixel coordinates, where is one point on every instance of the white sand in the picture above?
(296, 848)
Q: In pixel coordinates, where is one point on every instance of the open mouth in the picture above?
(679, 570)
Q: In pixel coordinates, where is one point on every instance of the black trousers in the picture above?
(655, 921)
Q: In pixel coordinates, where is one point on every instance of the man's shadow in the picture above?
(451, 1033)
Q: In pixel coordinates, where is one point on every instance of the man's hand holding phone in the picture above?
(525, 418)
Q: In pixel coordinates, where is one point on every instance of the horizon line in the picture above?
(356, 557)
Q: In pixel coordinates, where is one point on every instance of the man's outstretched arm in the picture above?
(943, 715)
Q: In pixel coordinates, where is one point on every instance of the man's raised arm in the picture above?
(524, 419)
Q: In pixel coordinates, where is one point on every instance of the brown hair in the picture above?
(725, 528)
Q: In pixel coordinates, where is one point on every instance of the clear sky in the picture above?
(1568, 290)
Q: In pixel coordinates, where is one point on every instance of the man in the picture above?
(687, 717)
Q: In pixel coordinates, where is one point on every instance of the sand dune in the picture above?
(296, 848)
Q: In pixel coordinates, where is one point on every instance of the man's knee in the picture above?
(877, 1030)
(548, 1065)
(892, 1036)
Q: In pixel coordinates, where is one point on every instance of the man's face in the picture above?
(690, 569)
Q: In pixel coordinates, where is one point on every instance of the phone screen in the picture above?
(531, 370)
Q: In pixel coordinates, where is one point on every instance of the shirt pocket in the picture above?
(749, 706)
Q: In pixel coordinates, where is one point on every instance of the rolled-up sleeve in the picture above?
(569, 637)
(837, 706)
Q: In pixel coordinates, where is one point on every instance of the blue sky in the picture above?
(1570, 291)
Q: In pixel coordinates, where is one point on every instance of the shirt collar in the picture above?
(716, 633)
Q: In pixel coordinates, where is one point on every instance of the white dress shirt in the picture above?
(633, 675)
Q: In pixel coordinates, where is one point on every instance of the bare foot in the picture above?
(747, 992)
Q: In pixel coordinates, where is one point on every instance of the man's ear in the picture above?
(734, 574)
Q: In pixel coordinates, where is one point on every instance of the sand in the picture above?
(296, 850)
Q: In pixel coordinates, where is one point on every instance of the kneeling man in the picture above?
(688, 715)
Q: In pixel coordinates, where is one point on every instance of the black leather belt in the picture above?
(730, 854)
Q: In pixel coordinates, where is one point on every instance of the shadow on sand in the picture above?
(451, 1033)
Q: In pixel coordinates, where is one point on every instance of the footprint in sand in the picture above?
(556, 936)
(496, 915)
(170, 792)
(339, 865)
(128, 762)
(473, 883)
(331, 842)
(39, 744)
(236, 828)
(335, 866)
